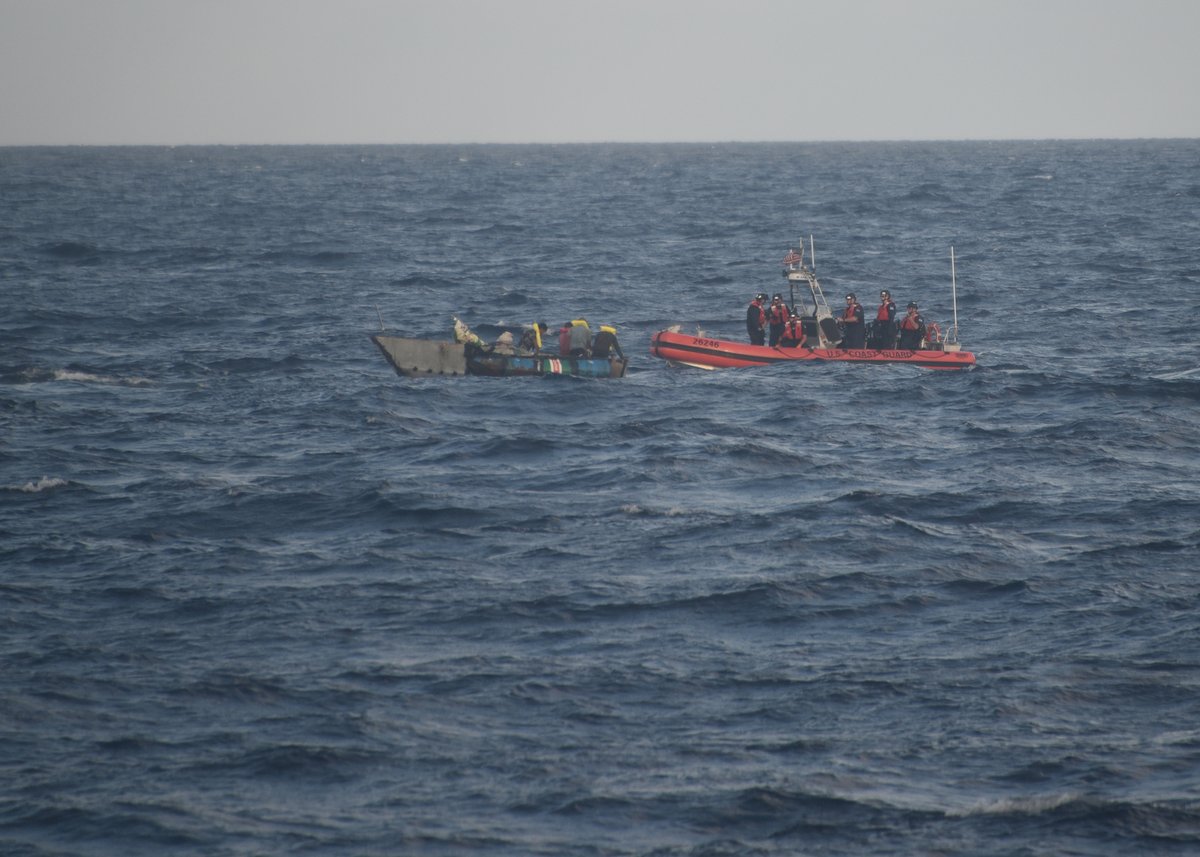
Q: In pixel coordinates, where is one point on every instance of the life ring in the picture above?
(933, 333)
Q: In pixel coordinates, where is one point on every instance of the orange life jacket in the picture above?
(793, 331)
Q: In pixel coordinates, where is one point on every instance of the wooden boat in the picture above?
(707, 353)
(421, 358)
(821, 332)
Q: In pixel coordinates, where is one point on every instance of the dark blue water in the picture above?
(261, 596)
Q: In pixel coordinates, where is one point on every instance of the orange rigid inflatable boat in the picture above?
(822, 335)
(705, 353)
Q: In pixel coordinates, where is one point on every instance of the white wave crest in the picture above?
(1026, 805)
(89, 378)
(672, 512)
(1175, 376)
(43, 484)
(71, 375)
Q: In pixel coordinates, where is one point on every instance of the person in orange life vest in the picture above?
(854, 329)
(777, 317)
(883, 332)
(912, 329)
(756, 317)
(793, 333)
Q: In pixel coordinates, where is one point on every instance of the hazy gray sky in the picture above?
(400, 71)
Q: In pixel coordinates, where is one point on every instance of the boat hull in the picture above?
(421, 358)
(708, 353)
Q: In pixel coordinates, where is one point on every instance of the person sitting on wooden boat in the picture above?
(854, 329)
(777, 317)
(579, 341)
(883, 331)
(504, 344)
(564, 339)
(531, 339)
(605, 345)
(793, 332)
(912, 329)
(756, 318)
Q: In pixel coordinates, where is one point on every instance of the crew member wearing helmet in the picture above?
(854, 330)
(912, 329)
(756, 318)
(884, 330)
(605, 345)
(793, 332)
(777, 316)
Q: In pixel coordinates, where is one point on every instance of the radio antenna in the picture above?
(954, 291)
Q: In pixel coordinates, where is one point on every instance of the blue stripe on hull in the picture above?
(544, 365)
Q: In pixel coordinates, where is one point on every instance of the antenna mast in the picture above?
(954, 291)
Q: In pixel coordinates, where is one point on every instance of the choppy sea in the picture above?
(260, 595)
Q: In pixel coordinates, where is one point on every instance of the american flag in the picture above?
(792, 258)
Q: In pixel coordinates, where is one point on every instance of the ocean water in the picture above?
(259, 595)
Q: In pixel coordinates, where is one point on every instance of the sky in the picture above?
(100, 72)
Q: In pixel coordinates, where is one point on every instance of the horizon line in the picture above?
(480, 143)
